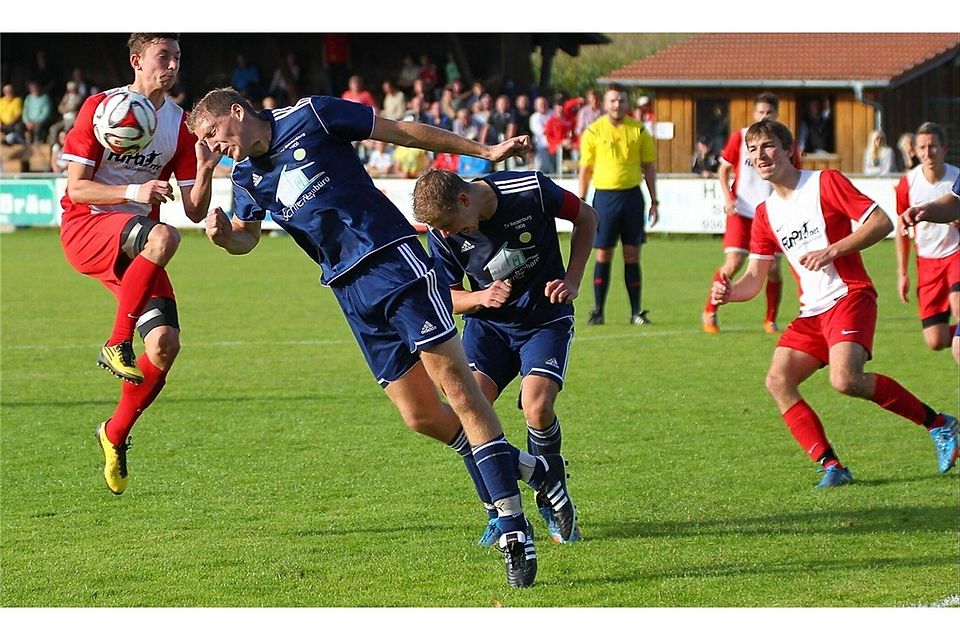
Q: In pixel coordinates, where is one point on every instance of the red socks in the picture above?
(889, 395)
(774, 292)
(807, 429)
(135, 289)
(710, 307)
(134, 399)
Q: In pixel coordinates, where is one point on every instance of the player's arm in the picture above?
(236, 236)
(83, 189)
(581, 244)
(424, 136)
(650, 178)
(902, 241)
(196, 197)
(747, 287)
(875, 228)
(945, 209)
(725, 175)
(493, 297)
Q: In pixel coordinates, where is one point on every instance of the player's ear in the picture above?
(463, 200)
(135, 61)
(237, 111)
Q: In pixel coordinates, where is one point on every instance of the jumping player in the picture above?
(111, 231)
(808, 218)
(740, 203)
(938, 245)
(500, 233)
(298, 164)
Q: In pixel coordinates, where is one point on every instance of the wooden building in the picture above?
(705, 86)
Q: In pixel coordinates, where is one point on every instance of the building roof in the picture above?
(879, 60)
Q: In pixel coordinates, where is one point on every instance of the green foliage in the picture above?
(272, 471)
(576, 74)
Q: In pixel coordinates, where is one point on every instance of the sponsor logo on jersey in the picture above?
(467, 246)
(427, 327)
(801, 236)
(150, 162)
(508, 262)
(294, 188)
(519, 223)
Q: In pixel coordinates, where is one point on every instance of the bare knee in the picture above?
(937, 340)
(847, 383)
(162, 346)
(538, 412)
(162, 243)
(776, 383)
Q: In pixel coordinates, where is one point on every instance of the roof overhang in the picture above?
(740, 83)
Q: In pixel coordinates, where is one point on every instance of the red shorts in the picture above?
(852, 319)
(936, 278)
(736, 237)
(91, 244)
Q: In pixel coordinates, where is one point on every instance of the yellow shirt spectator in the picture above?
(617, 154)
(11, 109)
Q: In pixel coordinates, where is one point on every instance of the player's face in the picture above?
(763, 110)
(462, 220)
(768, 157)
(929, 150)
(615, 104)
(225, 135)
(157, 67)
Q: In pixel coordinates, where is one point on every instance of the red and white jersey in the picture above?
(817, 214)
(933, 240)
(749, 188)
(171, 152)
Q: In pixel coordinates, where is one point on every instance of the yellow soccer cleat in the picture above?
(121, 361)
(710, 322)
(770, 326)
(114, 461)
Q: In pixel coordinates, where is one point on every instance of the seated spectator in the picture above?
(446, 161)
(410, 162)
(502, 122)
(414, 112)
(450, 69)
(380, 162)
(472, 166)
(522, 113)
(466, 126)
(83, 88)
(437, 118)
(246, 79)
(459, 95)
(428, 75)
(906, 156)
(473, 96)
(285, 83)
(394, 102)
(57, 163)
(878, 157)
(408, 73)
(446, 104)
(68, 108)
(356, 93)
(589, 111)
(37, 111)
(558, 131)
(11, 116)
(705, 162)
(482, 108)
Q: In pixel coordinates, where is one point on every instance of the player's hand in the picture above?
(910, 217)
(154, 192)
(653, 214)
(496, 295)
(206, 159)
(560, 291)
(903, 287)
(516, 146)
(218, 227)
(730, 207)
(721, 290)
(817, 260)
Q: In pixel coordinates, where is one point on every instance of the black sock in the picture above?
(633, 278)
(601, 282)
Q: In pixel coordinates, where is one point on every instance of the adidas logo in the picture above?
(466, 246)
(427, 327)
(256, 180)
(552, 362)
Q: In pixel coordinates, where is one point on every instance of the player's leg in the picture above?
(633, 235)
(955, 347)
(736, 246)
(605, 242)
(774, 291)
(936, 300)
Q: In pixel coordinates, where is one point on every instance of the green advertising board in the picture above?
(28, 203)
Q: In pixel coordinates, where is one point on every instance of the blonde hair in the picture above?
(873, 149)
(435, 196)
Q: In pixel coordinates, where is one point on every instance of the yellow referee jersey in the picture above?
(616, 153)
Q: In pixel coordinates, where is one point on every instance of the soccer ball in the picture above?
(125, 122)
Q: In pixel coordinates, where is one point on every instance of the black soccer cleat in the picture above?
(596, 316)
(519, 556)
(553, 492)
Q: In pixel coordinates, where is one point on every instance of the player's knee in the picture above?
(935, 341)
(163, 241)
(538, 412)
(846, 382)
(776, 383)
(163, 346)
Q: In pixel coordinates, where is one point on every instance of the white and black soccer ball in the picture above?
(125, 122)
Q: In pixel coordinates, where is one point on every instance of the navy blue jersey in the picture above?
(313, 185)
(518, 242)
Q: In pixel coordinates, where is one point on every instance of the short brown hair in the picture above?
(614, 86)
(933, 129)
(767, 98)
(435, 195)
(216, 103)
(772, 129)
(138, 42)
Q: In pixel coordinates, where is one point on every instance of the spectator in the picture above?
(906, 156)
(414, 112)
(394, 102)
(11, 116)
(284, 85)
(815, 133)
(37, 111)
(429, 75)
(718, 128)
(410, 161)
(645, 114)
(446, 161)
(559, 132)
(356, 93)
(878, 157)
(408, 73)
(459, 95)
(522, 113)
(82, 87)
(450, 69)
(268, 102)
(543, 161)
(57, 163)
(482, 108)
(45, 75)
(68, 108)
(246, 78)
(502, 122)
(336, 58)
(705, 162)
(420, 90)
(446, 104)
(589, 112)
(380, 161)
(476, 91)
(437, 118)
(467, 126)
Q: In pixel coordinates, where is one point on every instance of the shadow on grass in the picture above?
(836, 521)
(172, 401)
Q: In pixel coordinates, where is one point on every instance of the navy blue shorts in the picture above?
(396, 306)
(621, 218)
(500, 352)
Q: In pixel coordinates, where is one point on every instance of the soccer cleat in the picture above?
(834, 477)
(553, 494)
(519, 555)
(491, 534)
(770, 326)
(640, 318)
(710, 324)
(114, 460)
(596, 316)
(121, 361)
(945, 439)
(544, 508)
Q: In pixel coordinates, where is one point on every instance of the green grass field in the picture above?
(273, 471)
